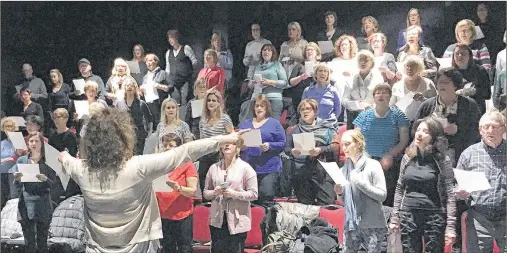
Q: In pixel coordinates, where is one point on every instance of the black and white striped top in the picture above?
(216, 129)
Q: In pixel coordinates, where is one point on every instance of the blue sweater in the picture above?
(328, 100)
(265, 162)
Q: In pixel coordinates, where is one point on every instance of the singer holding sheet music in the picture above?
(312, 185)
(35, 208)
(177, 207)
(121, 208)
(265, 159)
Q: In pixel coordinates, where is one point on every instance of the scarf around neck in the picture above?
(351, 207)
(321, 130)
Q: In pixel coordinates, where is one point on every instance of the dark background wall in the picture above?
(57, 34)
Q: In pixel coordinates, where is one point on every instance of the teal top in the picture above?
(272, 71)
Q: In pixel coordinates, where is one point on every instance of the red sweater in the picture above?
(215, 77)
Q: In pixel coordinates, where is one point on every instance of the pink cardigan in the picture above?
(241, 178)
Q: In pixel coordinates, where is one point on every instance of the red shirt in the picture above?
(173, 205)
(215, 77)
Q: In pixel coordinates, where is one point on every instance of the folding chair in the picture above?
(336, 217)
(201, 231)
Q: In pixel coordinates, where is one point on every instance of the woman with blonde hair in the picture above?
(200, 89)
(413, 47)
(362, 197)
(326, 95)
(225, 59)
(7, 148)
(231, 184)
(138, 55)
(293, 50)
(214, 121)
(170, 122)
(413, 18)
(60, 91)
(140, 113)
(212, 73)
(115, 86)
(466, 34)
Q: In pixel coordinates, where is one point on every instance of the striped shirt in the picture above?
(381, 134)
(182, 131)
(480, 54)
(492, 161)
(218, 128)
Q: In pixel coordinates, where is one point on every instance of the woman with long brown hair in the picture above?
(424, 202)
(121, 208)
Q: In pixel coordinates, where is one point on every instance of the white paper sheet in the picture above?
(408, 105)
(468, 85)
(478, 32)
(159, 184)
(134, 67)
(120, 95)
(51, 155)
(150, 92)
(79, 85)
(326, 46)
(197, 107)
(442, 121)
(400, 67)
(309, 67)
(258, 77)
(334, 172)
(29, 172)
(252, 138)
(20, 121)
(82, 108)
(471, 181)
(304, 142)
(445, 62)
(357, 105)
(17, 140)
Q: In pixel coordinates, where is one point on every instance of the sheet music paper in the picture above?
(82, 108)
(252, 138)
(357, 105)
(304, 142)
(120, 95)
(159, 184)
(150, 92)
(79, 85)
(468, 85)
(309, 67)
(400, 67)
(326, 46)
(258, 77)
(20, 121)
(285, 50)
(408, 105)
(30, 172)
(134, 67)
(51, 155)
(197, 107)
(478, 32)
(444, 62)
(17, 140)
(334, 172)
(471, 181)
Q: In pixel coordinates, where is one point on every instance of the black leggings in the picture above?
(223, 242)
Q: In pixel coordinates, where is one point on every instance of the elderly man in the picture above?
(35, 84)
(486, 214)
(85, 72)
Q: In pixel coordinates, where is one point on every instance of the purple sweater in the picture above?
(328, 100)
(266, 162)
